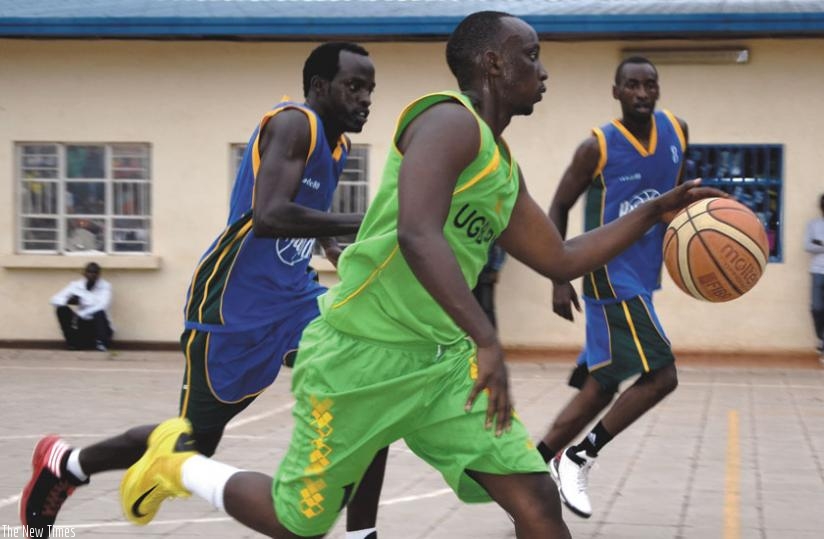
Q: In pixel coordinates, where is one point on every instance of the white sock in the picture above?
(73, 465)
(359, 534)
(207, 478)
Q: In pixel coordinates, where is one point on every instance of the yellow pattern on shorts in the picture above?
(311, 503)
(312, 495)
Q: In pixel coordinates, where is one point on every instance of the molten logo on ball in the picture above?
(716, 249)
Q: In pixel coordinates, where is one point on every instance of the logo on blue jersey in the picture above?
(634, 177)
(636, 200)
(292, 251)
(310, 183)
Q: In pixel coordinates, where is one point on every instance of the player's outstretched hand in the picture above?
(564, 298)
(493, 377)
(683, 195)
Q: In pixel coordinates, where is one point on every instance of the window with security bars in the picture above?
(352, 194)
(84, 197)
(752, 173)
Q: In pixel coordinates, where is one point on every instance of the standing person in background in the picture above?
(251, 294)
(814, 244)
(82, 311)
(624, 164)
(484, 291)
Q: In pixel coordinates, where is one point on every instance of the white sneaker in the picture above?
(573, 476)
(553, 469)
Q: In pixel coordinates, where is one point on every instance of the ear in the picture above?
(492, 63)
(615, 92)
(319, 85)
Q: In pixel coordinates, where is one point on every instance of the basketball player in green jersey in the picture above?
(402, 333)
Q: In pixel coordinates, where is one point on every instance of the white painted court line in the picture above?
(698, 384)
(209, 520)
(235, 423)
(406, 499)
(86, 369)
(9, 501)
(12, 437)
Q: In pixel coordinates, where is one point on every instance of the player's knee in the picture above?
(541, 504)
(666, 380)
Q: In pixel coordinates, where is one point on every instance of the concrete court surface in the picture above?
(735, 452)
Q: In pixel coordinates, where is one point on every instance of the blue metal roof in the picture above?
(414, 19)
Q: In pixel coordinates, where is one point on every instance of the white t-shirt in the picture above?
(97, 299)
(815, 231)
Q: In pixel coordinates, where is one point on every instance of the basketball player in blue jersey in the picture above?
(623, 164)
(253, 292)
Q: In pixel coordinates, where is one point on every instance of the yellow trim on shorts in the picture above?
(188, 391)
(635, 336)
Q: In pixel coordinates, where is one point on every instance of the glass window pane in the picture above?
(39, 234)
(39, 161)
(85, 162)
(130, 235)
(130, 161)
(131, 198)
(38, 197)
(85, 234)
(87, 198)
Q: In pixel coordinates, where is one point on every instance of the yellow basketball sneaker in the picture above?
(157, 475)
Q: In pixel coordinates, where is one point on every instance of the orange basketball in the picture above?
(716, 249)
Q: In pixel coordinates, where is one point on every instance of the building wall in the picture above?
(191, 100)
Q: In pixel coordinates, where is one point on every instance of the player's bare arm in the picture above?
(437, 146)
(331, 249)
(284, 147)
(534, 240)
(575, 180)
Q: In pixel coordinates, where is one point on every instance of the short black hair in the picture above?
(94, 267)
(469, 39)
(632, 60)
(324, 61)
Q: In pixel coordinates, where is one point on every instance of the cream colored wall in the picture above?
(190, 100)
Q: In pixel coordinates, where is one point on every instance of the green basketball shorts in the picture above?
(354, 397)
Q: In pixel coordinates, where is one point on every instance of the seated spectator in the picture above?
(81, 311)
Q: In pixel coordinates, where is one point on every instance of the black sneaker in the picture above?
(48, 487)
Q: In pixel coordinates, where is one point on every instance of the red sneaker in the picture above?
(48, 487)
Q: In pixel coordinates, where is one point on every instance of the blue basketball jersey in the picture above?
(629, 174)
(243, 281)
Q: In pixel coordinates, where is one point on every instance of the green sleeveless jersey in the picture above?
(378, 297)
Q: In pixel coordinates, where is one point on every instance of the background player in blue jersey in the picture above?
(253, 292)
(623, 164)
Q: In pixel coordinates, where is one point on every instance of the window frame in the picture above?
(756, 186)
(61, 216)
